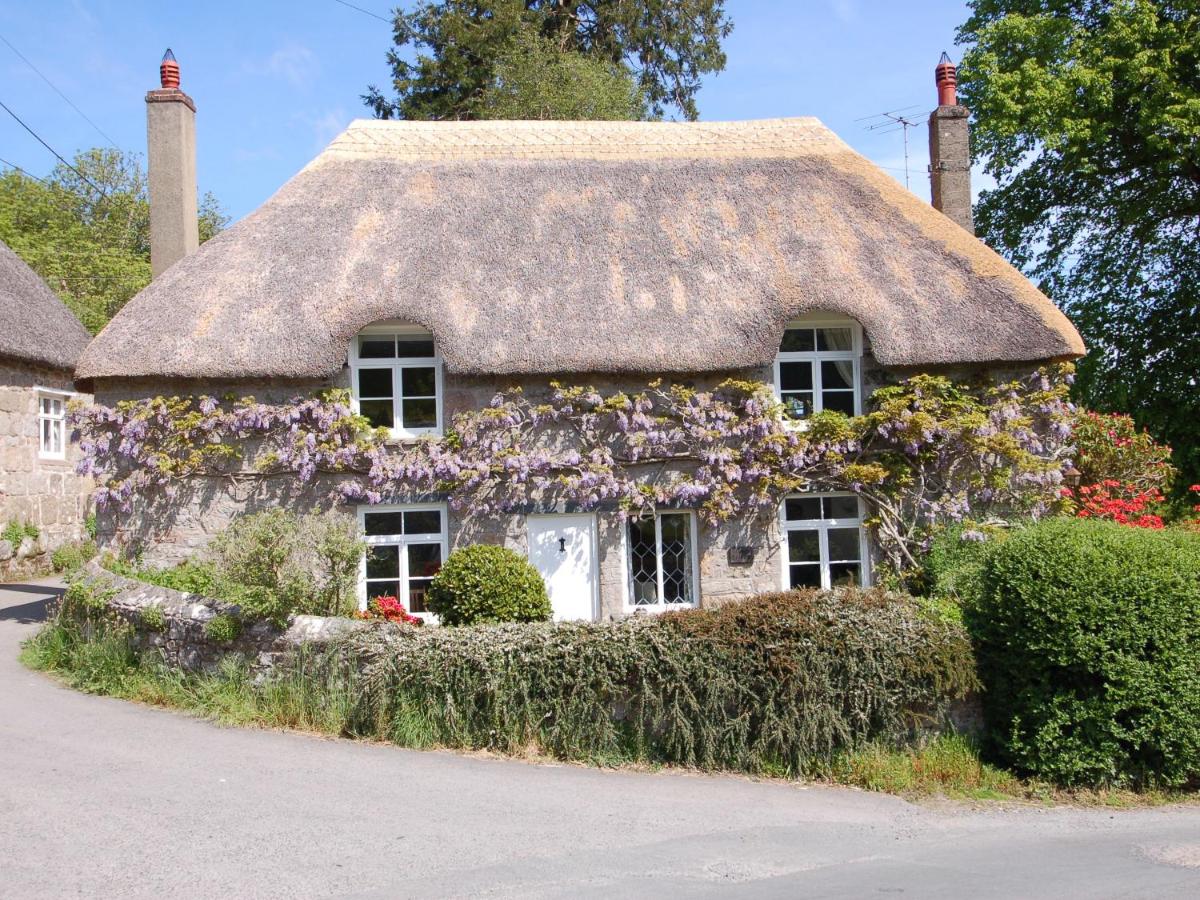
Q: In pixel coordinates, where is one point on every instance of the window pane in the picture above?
(383, 562)
(797, 340)
(374, 383)
(801, 509)
(382, 523)
(795, 376)
(844, 574)
(418, 590)
(418, 382)
(676, 558)
(419, 413)
(642, 561)
(838, 401)
(383, 589)
(837, 375)
(424, 560)
(798, 405)
(841, 507)
(423, 522)
(47, 439)
(411, 345)
(804, 546)
(843, 543)
(805, 576)
(381, 346)
(56, 434)
(834, 339)
(377, 412)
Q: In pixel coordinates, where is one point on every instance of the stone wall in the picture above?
(175, 624)
(45, 493)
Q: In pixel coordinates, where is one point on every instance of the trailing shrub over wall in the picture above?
(777, 683)
(488, 584)
(1088, 639)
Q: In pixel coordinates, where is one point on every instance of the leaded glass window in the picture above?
(662, 561)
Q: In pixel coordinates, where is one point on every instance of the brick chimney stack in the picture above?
(950, 149)
(171, 145)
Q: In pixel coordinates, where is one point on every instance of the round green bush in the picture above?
(1088, 643)
(486, 583)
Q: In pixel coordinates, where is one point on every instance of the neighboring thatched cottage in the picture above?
(427, 265)
(40, 342)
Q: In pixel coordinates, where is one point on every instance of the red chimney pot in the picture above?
(168, 72)
(946, 78)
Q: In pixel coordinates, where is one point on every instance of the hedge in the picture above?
(776, 683)
(485, 583)
(1088, 642)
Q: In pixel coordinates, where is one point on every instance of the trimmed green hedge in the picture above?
(775, 684)
(485, 583)
(1088, 641)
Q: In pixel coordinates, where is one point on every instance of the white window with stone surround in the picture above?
(52, 423)
(396, 379)
(406, 545)
(660, 551)
(819, 367)
(825, 544)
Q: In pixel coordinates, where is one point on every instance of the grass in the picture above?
(317, 700)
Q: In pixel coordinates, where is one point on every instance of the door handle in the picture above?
(562, 545)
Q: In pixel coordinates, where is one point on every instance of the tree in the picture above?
(1087, 113)
(534, 79)
(667, 44)
(86, 231)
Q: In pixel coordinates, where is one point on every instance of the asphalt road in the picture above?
(103, 798)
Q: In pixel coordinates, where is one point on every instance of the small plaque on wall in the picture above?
(741, 556)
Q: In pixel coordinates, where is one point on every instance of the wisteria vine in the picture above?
(929, 450)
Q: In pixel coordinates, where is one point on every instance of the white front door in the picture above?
(563, 549)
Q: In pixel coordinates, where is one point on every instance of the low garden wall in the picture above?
(194, 633)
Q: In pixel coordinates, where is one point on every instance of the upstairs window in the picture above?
(826, 543)
(397, 379)
(52, 424)
(818, 367)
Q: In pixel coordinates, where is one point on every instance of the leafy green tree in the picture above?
(87, 232)
(534, 79)
(1087, 113)
(667, 44)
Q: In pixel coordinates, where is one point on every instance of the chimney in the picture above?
(171, 144)
(950, 149)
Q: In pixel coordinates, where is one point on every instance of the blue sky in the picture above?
(274, 81)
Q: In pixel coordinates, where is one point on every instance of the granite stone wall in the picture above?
(45, 493)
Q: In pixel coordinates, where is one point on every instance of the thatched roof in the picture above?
(538, 247)
(35, 326)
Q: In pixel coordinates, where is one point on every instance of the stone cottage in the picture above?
(425, 265)
(40, 342)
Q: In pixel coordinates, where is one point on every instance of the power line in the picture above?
(99, 130)
(5, 162)
(365, 12)
(20, 122)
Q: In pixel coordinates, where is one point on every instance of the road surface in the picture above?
(102, 798)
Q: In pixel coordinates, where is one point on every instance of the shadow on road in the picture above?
(32, 612)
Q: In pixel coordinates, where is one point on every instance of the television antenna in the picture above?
(892, 121)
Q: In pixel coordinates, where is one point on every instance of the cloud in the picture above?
(293, 63)
(325, 125)
(846, 11)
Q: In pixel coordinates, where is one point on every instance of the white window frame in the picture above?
(60, 421)
(402, 541)
(627, 552)
(397, 365)
(822, 526)
(816, 357)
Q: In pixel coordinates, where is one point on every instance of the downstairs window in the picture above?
(826, 543)
(405, 549)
